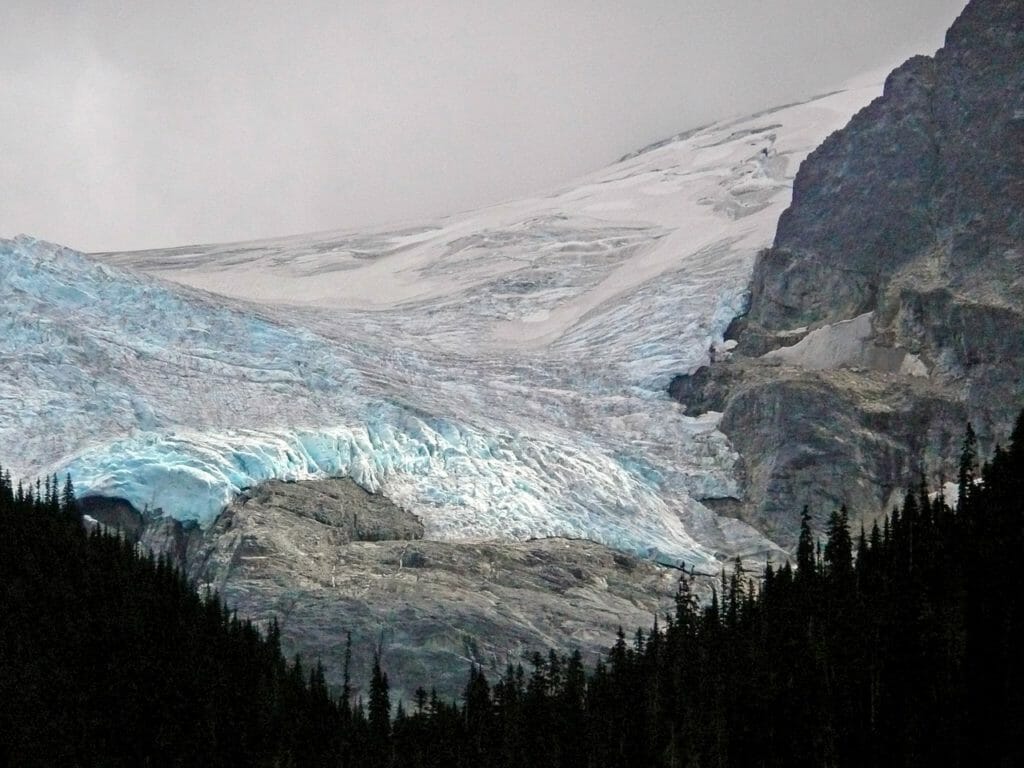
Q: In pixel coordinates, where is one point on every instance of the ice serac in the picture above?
(500, 373)
(891, 307)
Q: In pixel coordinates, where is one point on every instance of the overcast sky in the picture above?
(143, 124)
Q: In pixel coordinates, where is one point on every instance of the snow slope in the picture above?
(499, 372)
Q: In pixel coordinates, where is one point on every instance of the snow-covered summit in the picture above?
(499, 372)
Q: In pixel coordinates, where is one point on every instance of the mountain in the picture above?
(453, 438)
(497, 377)
(499, 373)
(890, 309)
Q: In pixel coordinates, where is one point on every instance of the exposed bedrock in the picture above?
(325, 558)
(891, 307)
(925, 185)
(825, 438)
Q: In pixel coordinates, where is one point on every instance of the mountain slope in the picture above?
(499, 373)
(890, 309)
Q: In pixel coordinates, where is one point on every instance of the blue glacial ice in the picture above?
(151, 392)
(500, 373)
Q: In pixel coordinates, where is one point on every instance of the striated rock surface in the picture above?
(326, 558)
(891, 307)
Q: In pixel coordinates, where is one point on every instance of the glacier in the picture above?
(500, 372)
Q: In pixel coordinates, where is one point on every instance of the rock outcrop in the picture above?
(922, 191)
(891, 307)
(325, 558)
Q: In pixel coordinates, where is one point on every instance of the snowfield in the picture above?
(501, 372)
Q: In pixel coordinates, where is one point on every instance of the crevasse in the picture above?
(500, 373)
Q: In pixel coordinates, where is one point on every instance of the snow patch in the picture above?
(848, 343)
(831, 346)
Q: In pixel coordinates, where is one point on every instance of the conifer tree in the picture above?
(68, 503)
(379, 712)
(967, 473)
(839, 547)
(805, 546)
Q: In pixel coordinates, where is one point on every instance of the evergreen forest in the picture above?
(894, 646)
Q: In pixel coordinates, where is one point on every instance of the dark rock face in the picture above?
(114, 513)
(933, 169)
(910, 219)
(829, 438)
(182, 541)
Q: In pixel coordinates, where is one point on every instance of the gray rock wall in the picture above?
(931, 170)
(326, 558)
(914, 212)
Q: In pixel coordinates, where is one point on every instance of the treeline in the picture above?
(896, 646)
(899, 646)
(110, 657)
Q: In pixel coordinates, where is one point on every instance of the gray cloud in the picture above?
(130, 125)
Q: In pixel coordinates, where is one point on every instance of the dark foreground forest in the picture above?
(896, 646)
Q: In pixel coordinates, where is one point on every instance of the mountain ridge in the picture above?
(908, 222)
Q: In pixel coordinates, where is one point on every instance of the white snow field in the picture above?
(501, 372)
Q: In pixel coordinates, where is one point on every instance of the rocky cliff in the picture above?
(922, 193)
(325, 558)
(891, 307)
